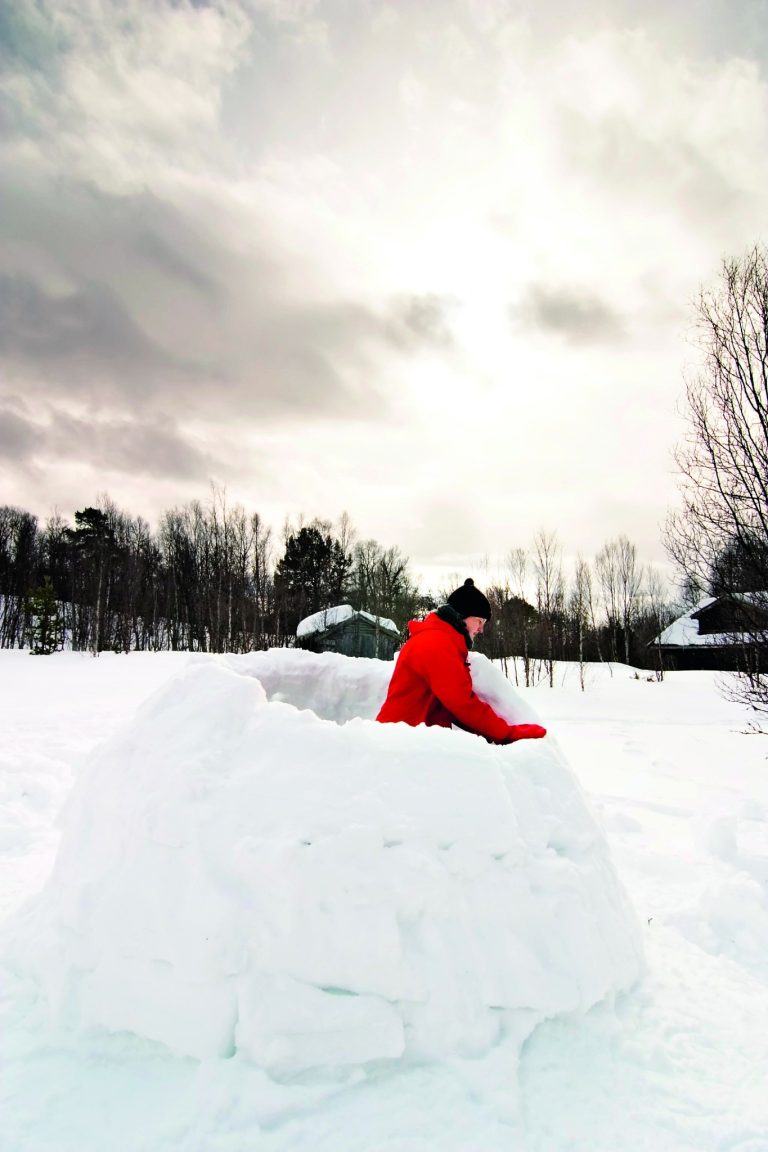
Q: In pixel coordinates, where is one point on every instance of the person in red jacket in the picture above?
(431, 683)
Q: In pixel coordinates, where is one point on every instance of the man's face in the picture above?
(474, 625)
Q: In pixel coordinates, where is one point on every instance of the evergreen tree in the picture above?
(313, 574)
(45, 625)
(93, 544)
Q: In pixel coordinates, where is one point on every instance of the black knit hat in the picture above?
(469, 601)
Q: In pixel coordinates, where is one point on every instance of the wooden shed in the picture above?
(352, 633)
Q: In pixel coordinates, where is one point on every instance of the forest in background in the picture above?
(213, 578)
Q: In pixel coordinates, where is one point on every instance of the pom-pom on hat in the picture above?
(469, 601)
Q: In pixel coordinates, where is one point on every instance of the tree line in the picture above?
(209, 579)
(213, 578)
(607, 609)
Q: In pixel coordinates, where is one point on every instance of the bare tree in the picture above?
(346, 534)
(630, 577)
(18, 547)
(723, 461)
(658, 608)
(607, 569)
(550, 592)
(581, 599)
(518, 565)
(261, 580)
(383, 584)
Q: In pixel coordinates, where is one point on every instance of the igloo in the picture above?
(254, 866)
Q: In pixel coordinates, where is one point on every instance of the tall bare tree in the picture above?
(659, 612)
(630, 577)
(518, 567)
(580, 602)
(723, 460)
(550, 592)
(607, 569)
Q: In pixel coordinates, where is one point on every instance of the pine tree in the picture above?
(312, 575)
(45, 625)
(93, 542)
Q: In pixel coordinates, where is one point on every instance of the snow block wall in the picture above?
(253, 866)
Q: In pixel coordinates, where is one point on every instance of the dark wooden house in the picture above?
(342, 629)
(725, 633)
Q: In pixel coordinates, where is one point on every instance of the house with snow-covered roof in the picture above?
(723, 633)
(352, 633)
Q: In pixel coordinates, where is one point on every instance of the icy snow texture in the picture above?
(329, 617)
(238, 874)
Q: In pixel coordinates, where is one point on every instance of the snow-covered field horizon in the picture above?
(676, 1063)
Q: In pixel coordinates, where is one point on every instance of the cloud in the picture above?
(112, 90)
(18, 437)
(81, 341)
(108, 445)
(136, 304)
(634, 160)
(422, 321)
(241, 231)
(579, 316)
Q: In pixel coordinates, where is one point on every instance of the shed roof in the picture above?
(684, 632)
(331, 617)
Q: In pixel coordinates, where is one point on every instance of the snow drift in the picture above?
(254, 866)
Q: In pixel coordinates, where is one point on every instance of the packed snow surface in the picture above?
(330, 617)
(678, 1063)
(237, 874)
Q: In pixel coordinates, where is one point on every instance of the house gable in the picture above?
(731, 615)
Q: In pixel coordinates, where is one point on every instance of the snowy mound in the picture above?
(237, 874)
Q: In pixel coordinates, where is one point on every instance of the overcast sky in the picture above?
(430, 262)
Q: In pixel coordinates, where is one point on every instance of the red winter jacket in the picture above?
(431, 684)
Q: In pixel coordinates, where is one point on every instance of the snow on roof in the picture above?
(684, 632)
(330, 617)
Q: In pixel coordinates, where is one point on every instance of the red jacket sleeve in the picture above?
(448, 676)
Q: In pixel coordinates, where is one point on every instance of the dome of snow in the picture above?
(254, 866)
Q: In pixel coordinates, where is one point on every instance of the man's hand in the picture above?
(525, 732)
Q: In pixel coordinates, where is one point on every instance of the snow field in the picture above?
(677, 1064)
(238, 875)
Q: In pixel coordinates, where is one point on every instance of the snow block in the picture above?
(309, 889)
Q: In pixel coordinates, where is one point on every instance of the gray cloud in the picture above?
(18, 437)
(27, 39)
(131, 302)
(169, 258)
(120, 445)
(617, 151)
(127, 446)
(718, 28)
(578, 316)
(421, 321)
(78, 339)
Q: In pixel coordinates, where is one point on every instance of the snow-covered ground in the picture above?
(680, 790)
